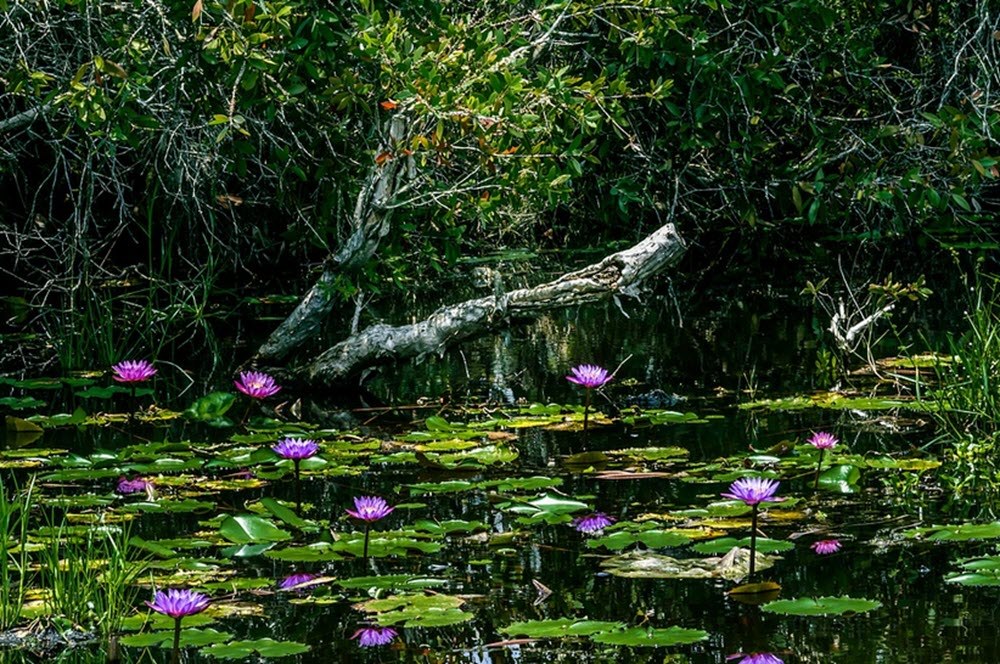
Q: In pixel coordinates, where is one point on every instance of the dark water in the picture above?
(716, 352)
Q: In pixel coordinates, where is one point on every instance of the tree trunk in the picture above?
(620, 273)
(369, 223)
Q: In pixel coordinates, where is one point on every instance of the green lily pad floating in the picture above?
(266, 648)
(405, 581)
(653, 539)
(166, 506)
(110, 391)
(821, 606)
(726, 544)
(20, 403)
(158, 621)
(835, 401)
(957, 533)
(840, 479)
(211, 409)
(249, 529)
(165, 639)
(655, 417)
(416, 610)
(977, 572)
(638, 636)
(558, 628)
(650, 453)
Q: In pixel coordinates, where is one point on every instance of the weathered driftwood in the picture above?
(619, 273)
(369, 224)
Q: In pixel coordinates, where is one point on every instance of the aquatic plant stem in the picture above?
(131, 413)
(176, 657)
(819, 466)
(586, 409)
(364, 556)
(298, 490)
(246, 415)
(753, 545)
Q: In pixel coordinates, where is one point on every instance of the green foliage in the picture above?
(157, 152)
(14, 563)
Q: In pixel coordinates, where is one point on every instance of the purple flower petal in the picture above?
(589, 375)
(754, 490)
(179, 603)
(370, 508)
(823, 440)
(126, 486)
(593, 523)
(296, 448)
(374, 636)
(133, 371)
(256, 385)
(824, 547)
(294, 580)
(757, 658)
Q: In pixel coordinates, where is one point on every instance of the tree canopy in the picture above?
(209, 139)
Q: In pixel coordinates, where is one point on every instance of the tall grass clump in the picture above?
(91, 578)
(967, 403)
(15, 511)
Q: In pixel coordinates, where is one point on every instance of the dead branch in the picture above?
(620, 273)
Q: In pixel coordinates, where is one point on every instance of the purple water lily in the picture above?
(757, 658)
(256, 385)
(179, 603)
(293, 580)
(296, 448)
(370, 508)
(823, 440)
(754, 490)
(138, 485)
(589, 375)
(823, 547)
(593, 523)
(374, 636)
(133, 371)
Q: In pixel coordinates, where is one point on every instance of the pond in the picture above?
(488, 554)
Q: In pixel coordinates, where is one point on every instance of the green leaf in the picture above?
(820, 606)
(638, 636)
(558, 628)
(165, 639)
(840, 479)
(726, 544)
(211, 407)
(263, 647)
(249, 529)
(654, 539)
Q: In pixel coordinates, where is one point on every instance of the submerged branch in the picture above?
(620, 273)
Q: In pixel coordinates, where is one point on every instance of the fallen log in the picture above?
(618, 274)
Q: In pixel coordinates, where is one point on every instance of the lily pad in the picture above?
(416, 610)
(654, 539)
(558, 628)
(638, 636)
(957, 533)
(977, 572)
(820, 606)
(249, 529)
(266, 648)
(725, 544)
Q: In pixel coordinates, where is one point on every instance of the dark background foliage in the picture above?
(174, 148)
